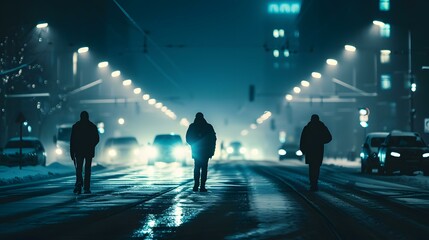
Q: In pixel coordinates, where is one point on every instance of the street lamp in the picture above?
(75, 63)
(410, 77)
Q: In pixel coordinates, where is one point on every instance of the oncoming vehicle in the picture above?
(235, 150)
(121, 150)
(289, 151)
(404, 151)
(62, 143)
(369, 151)
(168, 148)
(33, 152)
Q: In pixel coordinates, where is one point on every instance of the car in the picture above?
(289, 151)
(168, 148)
(235, 150)
(122, 150)
(369, 152)
(404, 151)
(33, 152)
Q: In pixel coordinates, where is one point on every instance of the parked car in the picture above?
(235, 150)
(168, 148)
(369, 152)
(122, 150)
(289, 151)
(33, 152)
(404, 151)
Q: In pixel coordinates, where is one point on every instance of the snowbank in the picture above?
(11, 175)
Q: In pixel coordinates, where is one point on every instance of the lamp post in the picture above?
(75, 64)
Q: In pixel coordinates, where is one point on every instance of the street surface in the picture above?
(246, 200)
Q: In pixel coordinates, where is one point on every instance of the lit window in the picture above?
(384, 5)
(386, 82)
(284, 8)
(384, 56)
(385, 30)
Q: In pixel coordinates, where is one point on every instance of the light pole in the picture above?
(75, 65)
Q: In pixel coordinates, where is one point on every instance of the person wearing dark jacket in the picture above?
(313, 138)
(202, 138)
(84, 137)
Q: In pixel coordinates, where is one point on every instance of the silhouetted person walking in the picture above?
(202, 138)
(84, 137)
(313, 138)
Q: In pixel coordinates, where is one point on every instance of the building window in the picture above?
(384, 56)
(386, 82)
(385, 30)
(384, 5)
(287, 8)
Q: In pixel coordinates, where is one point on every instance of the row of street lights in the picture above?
(350, 48)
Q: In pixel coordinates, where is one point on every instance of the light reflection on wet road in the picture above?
(158, 203)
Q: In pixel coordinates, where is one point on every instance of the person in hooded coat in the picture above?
(202, 138)
(313, 138)
(84, 137)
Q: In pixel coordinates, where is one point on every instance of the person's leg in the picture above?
(79, 179)
(87, 178)
(312, 173)
(197, 166)
(204, 167)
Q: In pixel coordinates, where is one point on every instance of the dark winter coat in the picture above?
(84, 137)
(202, 138)
(313, 138)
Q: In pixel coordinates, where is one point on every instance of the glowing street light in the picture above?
(316, 75)
(297, 89)
(146, 97)
(83, 50)
(350, 48)
(305, 83)
(116, 73)
(127, 82)
(331, 62)
(289, 97)
(137, 90)
(121, 121)
(103, 64)
(378, 23)
(42, 25)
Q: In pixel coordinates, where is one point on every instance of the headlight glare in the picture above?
(395, 154)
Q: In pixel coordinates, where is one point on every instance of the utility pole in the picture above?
(412, 85)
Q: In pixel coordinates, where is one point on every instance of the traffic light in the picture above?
(363, 117)
(251, 93)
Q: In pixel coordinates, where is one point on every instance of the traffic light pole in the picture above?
(412, 88)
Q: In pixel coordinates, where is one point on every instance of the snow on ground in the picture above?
(10, 175)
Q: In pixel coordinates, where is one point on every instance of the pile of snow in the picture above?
(341, 162)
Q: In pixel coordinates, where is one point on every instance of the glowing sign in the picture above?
(284, 8)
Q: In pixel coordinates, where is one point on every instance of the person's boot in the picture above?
(77, 190)
(196, 184)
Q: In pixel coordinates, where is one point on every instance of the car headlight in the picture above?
(136, 151)
(395, 154)
(58, 151)
(425, 155)
(152, 151)
(362, 155)
(298, 153)
(243, 150)
(282, 152)
(229, 150)
(179, 152)
(112, 152)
